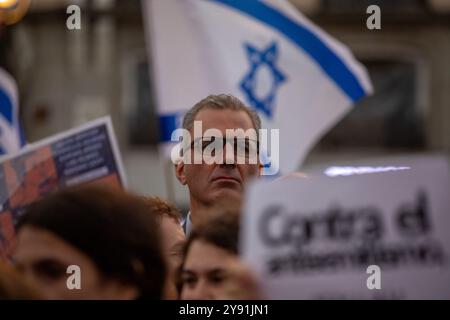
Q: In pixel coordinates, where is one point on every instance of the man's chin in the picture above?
(227, 193)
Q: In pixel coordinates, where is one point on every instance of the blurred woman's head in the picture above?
(107, 233)
(173, 239)
(211, 268)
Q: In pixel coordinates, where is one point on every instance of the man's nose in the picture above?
(228, 155)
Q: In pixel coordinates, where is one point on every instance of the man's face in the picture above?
(212, 182)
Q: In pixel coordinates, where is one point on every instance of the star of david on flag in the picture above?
(257, 59)
(11, 134)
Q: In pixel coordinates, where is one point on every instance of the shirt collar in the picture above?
(188, 224)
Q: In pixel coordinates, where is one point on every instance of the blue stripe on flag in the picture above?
(167, 124)
(6, 106)
(304, 38)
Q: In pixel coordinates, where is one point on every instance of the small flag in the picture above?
(11, 134)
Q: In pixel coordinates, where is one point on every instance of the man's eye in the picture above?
(251, 147)
(49, 269)
(242, 147)
(246, 146)
(207, 141)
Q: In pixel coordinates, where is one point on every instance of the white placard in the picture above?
(315, 237)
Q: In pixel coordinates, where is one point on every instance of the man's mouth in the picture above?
(226, 178)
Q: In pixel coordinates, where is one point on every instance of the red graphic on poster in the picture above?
(39, 177)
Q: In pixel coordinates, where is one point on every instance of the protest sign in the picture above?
(381, 235)
(88, 154)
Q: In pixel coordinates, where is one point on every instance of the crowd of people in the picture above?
(127, 246)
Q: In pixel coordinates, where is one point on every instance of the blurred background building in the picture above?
(67, 77)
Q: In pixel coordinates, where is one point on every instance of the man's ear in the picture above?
(179, 172)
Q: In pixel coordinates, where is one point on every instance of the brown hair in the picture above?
(220, 228)
(161, 208)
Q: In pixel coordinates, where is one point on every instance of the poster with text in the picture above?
(87, 154)
(381, 235)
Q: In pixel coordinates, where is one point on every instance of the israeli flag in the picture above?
(299, 79)
(11, 137)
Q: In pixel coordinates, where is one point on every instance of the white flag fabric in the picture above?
(11, 138)
(299, 79)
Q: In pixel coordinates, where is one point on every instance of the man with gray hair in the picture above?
(220, 182)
